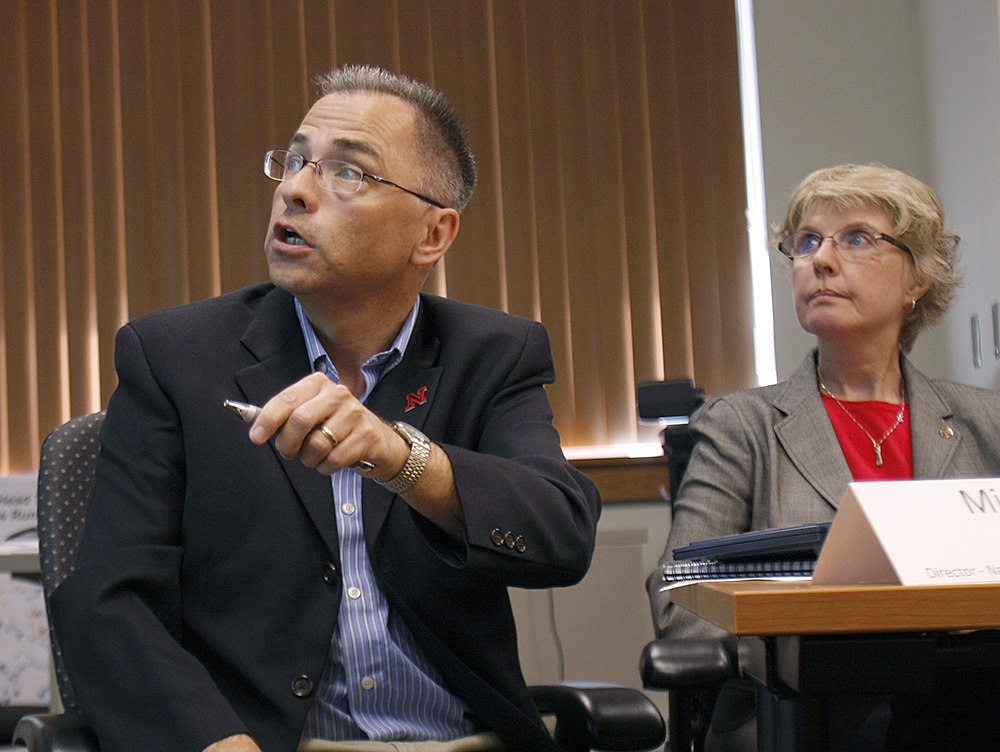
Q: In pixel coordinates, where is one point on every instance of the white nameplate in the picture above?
(914, 532)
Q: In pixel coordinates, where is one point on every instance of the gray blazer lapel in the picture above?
(929, 413)
(807, 436)
(274, 339)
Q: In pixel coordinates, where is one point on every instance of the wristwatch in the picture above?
(420, 452)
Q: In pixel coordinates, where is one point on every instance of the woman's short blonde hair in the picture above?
(918, 222)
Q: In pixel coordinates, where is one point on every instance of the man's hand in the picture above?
(238, 743)
(325, 426)
(297, 416)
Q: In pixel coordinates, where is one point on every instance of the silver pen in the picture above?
(250, 412)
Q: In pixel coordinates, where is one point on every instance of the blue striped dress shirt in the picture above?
(377, 683)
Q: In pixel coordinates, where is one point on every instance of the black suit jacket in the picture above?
(208, 583)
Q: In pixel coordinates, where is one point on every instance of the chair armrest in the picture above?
(683, 664)
(600, 716)
(55, 733)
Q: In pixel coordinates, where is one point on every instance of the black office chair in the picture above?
(671, 400)
(587, 717)
(693, 671)
(65, 479)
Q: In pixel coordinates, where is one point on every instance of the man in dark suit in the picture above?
(340, 574)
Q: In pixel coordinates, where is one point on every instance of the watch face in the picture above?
(410, 433)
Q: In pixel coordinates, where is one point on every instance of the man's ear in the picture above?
(441, 231)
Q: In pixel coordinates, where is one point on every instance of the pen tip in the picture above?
(247, 412)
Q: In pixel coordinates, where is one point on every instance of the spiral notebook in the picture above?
(685, 571)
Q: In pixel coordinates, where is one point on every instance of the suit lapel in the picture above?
(932, 450)
(406, 393)
(274, 339)
(807, 435)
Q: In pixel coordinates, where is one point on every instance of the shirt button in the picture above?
(330, 574)
(302, 686)
(347, 508)
(368, 683)
(354, 593)
(322, 366)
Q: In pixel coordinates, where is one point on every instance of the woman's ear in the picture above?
(918, 289)
(441, 230)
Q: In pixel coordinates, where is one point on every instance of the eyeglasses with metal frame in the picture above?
(332, 174)
(851, 240)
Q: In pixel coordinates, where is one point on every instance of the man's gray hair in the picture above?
(450, 170)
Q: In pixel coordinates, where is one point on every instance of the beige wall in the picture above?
(914, 84)
(595, 631)
(962, 64)
(839, 82)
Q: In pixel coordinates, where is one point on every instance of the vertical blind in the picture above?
(611, 202)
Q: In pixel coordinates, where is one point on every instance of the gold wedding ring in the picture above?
(362, 466)
(329, 434)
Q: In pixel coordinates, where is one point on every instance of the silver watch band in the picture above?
(420, 452)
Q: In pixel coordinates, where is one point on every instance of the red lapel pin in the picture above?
(413, 399)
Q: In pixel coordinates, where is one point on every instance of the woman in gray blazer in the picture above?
(871, 266)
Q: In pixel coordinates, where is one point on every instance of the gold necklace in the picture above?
(876, 445)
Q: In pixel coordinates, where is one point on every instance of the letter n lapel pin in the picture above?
(417, 398)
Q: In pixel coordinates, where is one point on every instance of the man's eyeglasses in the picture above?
(332, 174)
(851, 240)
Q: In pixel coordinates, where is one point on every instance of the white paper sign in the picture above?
(914, 532)
(24, 634)
(17, 503)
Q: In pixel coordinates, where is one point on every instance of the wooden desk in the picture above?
(760, 607)
(803, 644)
(628, 479)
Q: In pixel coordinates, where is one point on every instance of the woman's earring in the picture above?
(913, 304)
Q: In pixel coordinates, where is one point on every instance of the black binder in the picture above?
(799, 542)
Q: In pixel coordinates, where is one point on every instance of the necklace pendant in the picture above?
(878, 455)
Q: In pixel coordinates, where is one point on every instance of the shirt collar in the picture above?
(375, 367)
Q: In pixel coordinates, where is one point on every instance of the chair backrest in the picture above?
(65, 480)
